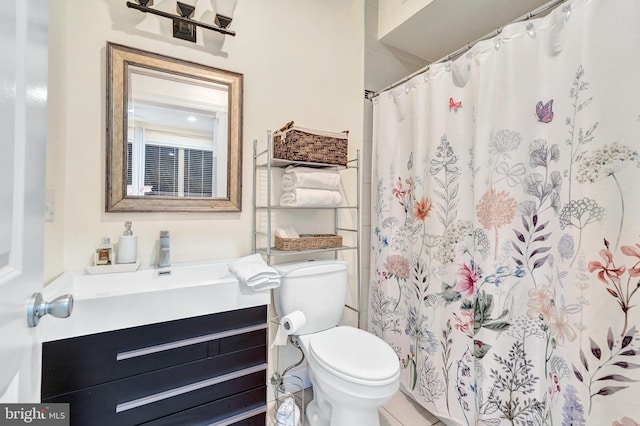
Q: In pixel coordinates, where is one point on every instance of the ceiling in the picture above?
(443, 26)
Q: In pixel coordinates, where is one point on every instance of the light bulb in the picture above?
(225, 7)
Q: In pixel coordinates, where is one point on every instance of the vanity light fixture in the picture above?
(224, 12)
(183, 26)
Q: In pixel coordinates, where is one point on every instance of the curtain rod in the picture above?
(532, 14)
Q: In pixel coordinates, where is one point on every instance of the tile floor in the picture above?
(400, 411)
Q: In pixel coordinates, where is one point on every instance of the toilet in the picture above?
(353, 372)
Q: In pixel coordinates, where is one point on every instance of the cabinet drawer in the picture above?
(257, 420)
(246, 408)
(81, 362)
(152, 396)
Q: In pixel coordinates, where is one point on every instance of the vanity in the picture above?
(152, 349)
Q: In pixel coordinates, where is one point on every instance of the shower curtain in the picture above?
(505, 230)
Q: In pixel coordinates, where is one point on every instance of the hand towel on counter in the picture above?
(308, 177)
(254, 272)
(267, 284)
(309, 197)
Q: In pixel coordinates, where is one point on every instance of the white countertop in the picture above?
(115, 301)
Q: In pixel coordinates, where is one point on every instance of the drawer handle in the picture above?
(121, 356)
(239, 417)
(129, 405)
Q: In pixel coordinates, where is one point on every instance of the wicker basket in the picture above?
(309, 241)
(298, 144)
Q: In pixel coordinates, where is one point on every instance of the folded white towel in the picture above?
(308, 177)
(287, 231)
(309, 197)
(254, 272)
(266, 285)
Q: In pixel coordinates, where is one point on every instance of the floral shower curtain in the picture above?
(506, 237)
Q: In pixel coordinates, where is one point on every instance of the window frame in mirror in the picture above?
(119, 57)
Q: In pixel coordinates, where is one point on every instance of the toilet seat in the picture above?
(354, 355)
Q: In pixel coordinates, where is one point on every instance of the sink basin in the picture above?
(115, 301)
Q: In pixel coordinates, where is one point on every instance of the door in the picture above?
(23, 98)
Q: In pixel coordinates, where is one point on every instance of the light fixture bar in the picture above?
(180, 18)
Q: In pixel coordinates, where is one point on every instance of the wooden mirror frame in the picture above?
(118, 59)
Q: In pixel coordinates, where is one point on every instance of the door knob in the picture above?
(60, 307)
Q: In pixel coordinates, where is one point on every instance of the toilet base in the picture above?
(332, 406)
(350, 417)
(342, 416)
(314, 414)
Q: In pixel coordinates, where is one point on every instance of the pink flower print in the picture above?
(494, 210)
(422, 208)
(625, 421)
(403, 194)
(467, 282)
(559, 328)
(540, 302)
(464, 322)
(609, 274)
(397, 266)
(608, 269)
(633, 252)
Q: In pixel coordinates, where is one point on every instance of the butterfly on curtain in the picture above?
(455, 105)
(544, 112)
(410, 162)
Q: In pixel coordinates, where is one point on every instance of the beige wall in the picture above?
(302, 60)
(393, 13)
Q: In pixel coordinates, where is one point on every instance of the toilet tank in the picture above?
(317, 288)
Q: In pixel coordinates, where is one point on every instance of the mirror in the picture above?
(173, 134)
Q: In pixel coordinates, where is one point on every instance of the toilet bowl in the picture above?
(353, 372)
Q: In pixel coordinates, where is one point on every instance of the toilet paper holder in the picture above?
(277, 378)
(289, 393)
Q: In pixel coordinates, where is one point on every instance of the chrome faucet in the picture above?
(164, 255)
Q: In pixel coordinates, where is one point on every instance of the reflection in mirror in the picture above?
(180, 140)
(177, 138)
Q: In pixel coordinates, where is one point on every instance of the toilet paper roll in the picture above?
(289, 324)
(288, 413)
(293, 322)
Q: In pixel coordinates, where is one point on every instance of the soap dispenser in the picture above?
(127, 245)
(104, 254)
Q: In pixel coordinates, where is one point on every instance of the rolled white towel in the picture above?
(287, 231)
(308, 177)
(254, 272)
(308, 197)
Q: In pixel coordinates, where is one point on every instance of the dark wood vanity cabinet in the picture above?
(206, 370)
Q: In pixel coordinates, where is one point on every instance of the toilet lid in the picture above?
(354, 353)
